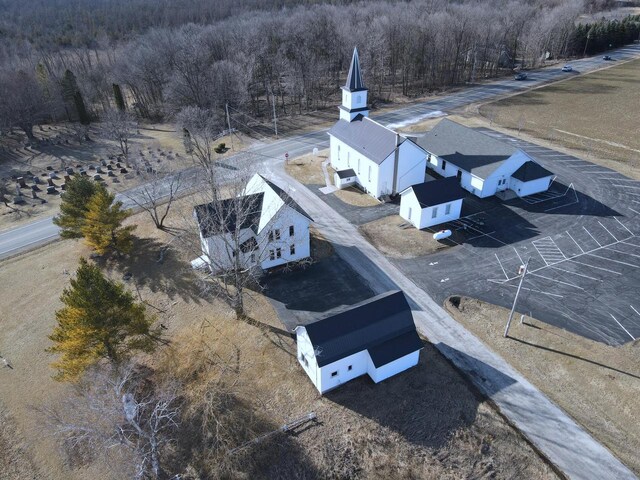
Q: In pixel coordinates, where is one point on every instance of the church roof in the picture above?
(354, 79)
(374, 141)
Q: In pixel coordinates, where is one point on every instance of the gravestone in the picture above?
(33, 194)
(118, 165)
(36, 179)
(63, 186)
(51, 189)
(49, 167)
(115, 180)
(21, 182)
(91, 167)
(97, 177)
(103, 162)
(78, 166)
(111, 174)
(53, 176)
(69, 171)
(29, 174)
(99, 170)
(82, 172)
(50, 182)
(109, 167)
(35, 188)
(123, 170)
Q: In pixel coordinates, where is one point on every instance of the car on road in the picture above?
(607, 57)
(567, 68)
(520, 76)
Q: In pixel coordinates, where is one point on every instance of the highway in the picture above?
(42, 231)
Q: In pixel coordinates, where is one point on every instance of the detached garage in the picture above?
(530, 178)
(431, 203)
(376, 337)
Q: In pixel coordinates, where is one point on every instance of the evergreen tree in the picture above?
(102, 228)
(72, 96)
(74, 204)
(117, 94)
(99, 320)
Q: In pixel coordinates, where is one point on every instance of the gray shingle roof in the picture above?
(349, 172)
(215, 217)
(284, 196)
(373, 140)
(383, 325)
(531, 171)
(438, 192)
(354, 78)
(466, 148)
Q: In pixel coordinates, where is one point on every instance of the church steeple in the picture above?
(354, 93)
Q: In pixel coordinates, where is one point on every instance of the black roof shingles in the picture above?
(438, 192)
(349, 172)
(383, 325)
(215, 216)
(531, 171)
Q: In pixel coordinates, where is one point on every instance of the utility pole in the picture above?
(275, 119)
(513, 308)
(226, 107)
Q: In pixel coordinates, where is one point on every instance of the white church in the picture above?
(364, 152)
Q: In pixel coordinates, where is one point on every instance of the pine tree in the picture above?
(72, 96)
(103, 228)
(99, 320)
(73, 208)
(119, 98)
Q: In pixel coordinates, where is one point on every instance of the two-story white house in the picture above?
(263, 227)
(376, 337)
(482, 164)
(383, 161)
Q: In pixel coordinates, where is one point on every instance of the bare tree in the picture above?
(118, 413)
(119, 126)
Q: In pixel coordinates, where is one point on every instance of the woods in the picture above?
(251, 56)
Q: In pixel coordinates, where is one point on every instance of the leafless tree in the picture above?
(118, 414)
(119, 126)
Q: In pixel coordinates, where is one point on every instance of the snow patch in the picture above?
(410, 121)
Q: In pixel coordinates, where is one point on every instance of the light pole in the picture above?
(513, 308)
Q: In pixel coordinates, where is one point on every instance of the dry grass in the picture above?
(308, 168)
(396, 237)
(358, 198)
(594, 114)
(594, 383)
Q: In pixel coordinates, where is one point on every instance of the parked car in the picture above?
(606, 57)
(520, 76)
(567, 68)
(442, 234)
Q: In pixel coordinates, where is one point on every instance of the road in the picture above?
(567, 445)
(42, 231)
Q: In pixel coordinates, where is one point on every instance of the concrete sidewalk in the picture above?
(558, 437)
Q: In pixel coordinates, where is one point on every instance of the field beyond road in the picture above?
(596, 114)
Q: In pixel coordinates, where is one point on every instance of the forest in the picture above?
(79, 59)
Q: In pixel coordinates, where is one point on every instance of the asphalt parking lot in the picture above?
(583, 241)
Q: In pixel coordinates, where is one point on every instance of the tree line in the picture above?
(591, 38)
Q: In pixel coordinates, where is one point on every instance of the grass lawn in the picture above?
(594, 114)
(425, 423)
(594, 383)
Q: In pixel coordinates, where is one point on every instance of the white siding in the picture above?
(423, 217)
(357, 361)
(523, 189)
(300, 239)
(412, 164)
(343, 157)
(393, 368)
(305, 350)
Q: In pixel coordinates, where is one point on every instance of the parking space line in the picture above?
(576, 273)
(614, 237)
(503, 270)
(634, 211)
(623, 225)
(612, 260)
(593, 266)
(574, 241)
(632, 337)
(594, 239)
(632, 308)
(568, 204)
(514, 249)
(627, 243)
(624, 253)
(623, 186)
(534, 290)
(559, 281)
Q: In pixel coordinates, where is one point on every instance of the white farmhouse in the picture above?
(263, 228)
(482, 164)
(431, 203)
(376, 337)
(384, 162)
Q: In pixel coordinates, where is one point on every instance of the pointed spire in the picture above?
(354, 80)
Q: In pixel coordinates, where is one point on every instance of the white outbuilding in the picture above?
(432, 203)
(483, 165)
(376, 337)
(384, 162)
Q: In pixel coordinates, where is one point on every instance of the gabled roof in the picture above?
(285, 198)
(354, 78)
(466, 148)
(437, 192)
(531, 171)
(382, 325)
(349, 172)
(223, 214)
(374, 141)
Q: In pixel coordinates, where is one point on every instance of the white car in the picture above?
(567, 68)
(442, 234)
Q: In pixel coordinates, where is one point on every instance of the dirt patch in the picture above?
(594, 383)
(307, 169)
(396, 237)
(594, 114)
(356, 197)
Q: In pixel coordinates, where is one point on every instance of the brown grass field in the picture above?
(595, 115)
(425, 423)
(594, 383)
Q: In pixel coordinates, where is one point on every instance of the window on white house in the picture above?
(434, 212)
(334, 374)
(272, 255)
(278, 253)
(271, 235)
(291, 231)
(277, 234)
(447, 209)
(350, 367)
(303, 359)
(253, 258)
(444, 164)
(292, 250)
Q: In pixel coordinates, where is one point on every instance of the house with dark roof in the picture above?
(483, 165)
(376, 337)
(432, 203)
(261, 228)
(384, 162)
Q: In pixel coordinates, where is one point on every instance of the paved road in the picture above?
(552, 431)
(39, 232)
